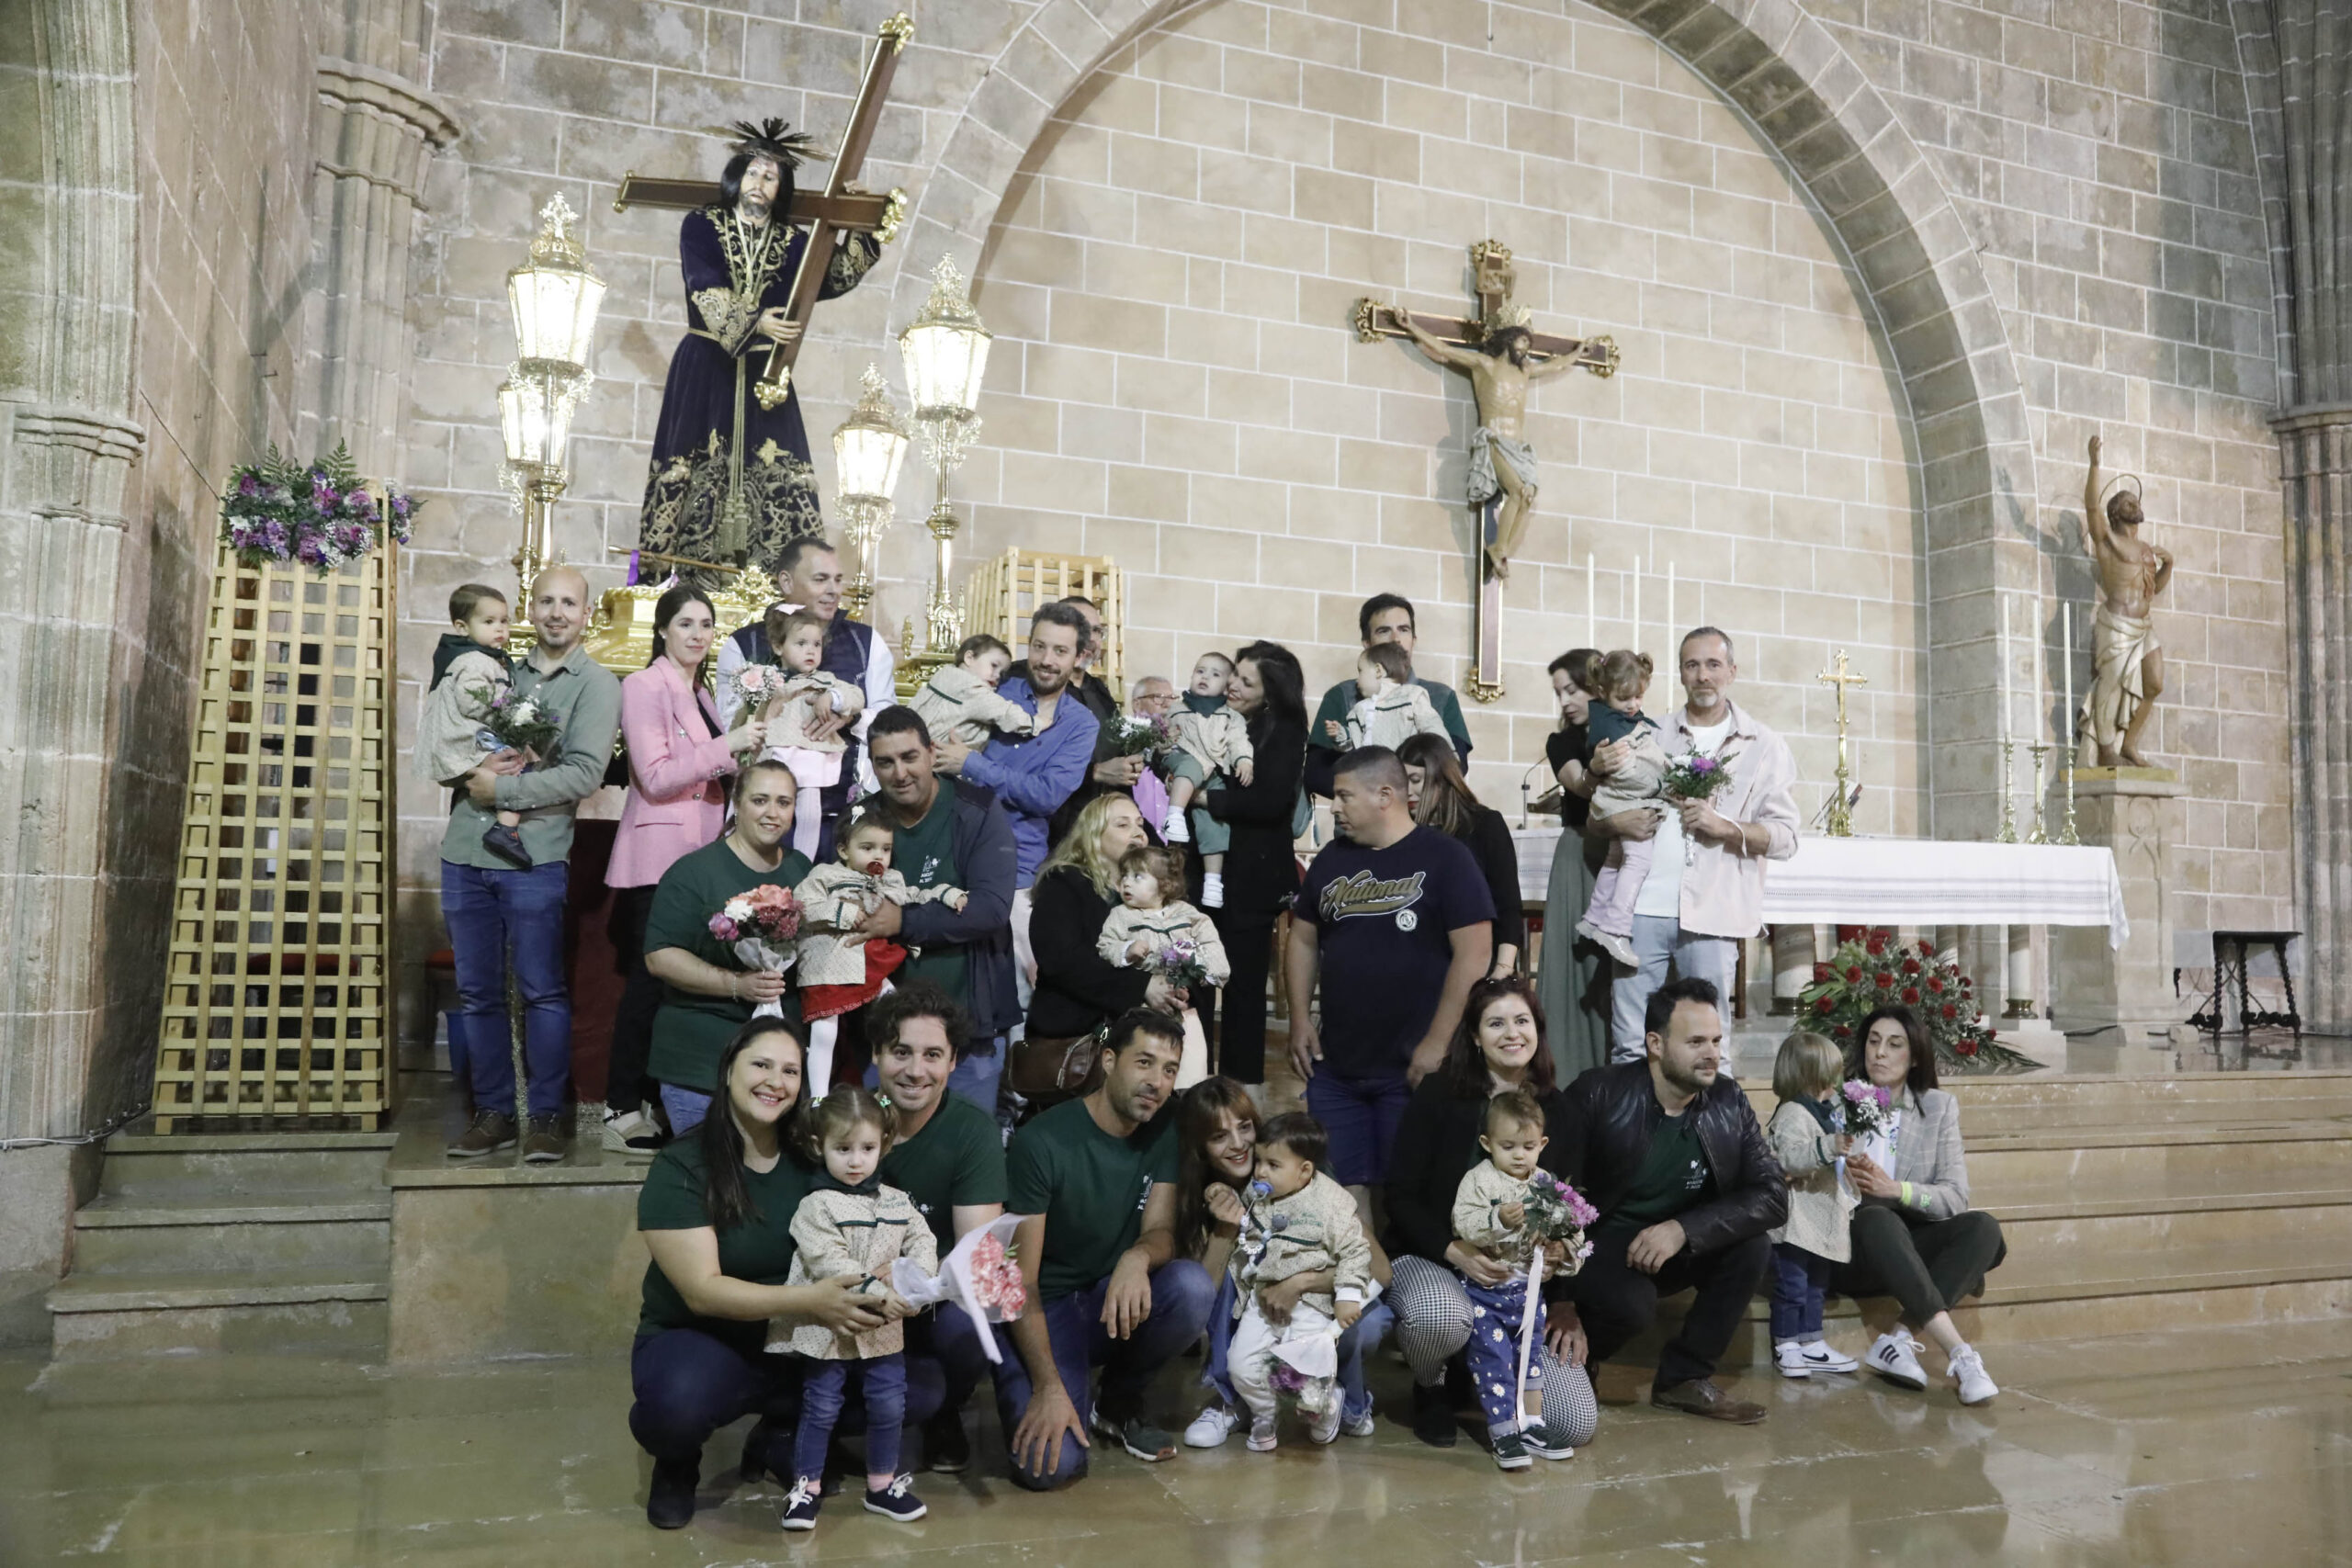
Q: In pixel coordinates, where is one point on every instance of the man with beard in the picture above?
(1096, 1177)
(731, 480)
(1668, 1150)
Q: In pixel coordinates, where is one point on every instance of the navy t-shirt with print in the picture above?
(1384, 919)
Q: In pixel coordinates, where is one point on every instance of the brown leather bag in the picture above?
(1046, 1067)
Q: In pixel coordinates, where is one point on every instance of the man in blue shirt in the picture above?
(1031, 775)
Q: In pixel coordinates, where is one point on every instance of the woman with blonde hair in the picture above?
(1076, 890)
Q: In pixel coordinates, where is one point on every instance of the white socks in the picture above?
(1212, 890)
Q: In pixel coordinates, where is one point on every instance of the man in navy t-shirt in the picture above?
(1396, 921)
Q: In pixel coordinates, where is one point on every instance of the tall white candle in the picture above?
(2001, 661)
(2040, 702)
(2066, 630)
(1591, 599)
(1634, 642)
(1673, 650)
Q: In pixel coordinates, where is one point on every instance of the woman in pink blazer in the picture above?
(677, 755)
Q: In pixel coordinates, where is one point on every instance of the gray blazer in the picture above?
(1927, 1154)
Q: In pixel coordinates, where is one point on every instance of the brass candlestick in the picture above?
(2009, 833)
(2039, 835)
(2066, 835)
(1841, 821)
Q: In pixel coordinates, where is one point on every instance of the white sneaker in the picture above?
(1359, 1426)
(1822, 1358)
(1326, 1426)
(1261, 1435)
(1175, 830)
(1896, 1358)
(1968, 1367)
(1789, 1356)
(1617, 947)
(1211, 1427)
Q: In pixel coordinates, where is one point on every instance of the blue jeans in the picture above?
(1179, 1309)
(883, 1380)
(1799, 1280)
(1361, 1115)
(1364, 1334)
(489, 912)
(687, 1108)
(688, 1385)
(1657, 940)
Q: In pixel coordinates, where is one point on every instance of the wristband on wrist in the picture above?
(1909, 1200)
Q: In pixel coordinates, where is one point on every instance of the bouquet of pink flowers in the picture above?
(1867, 1108)
(760, 923)
(996, 1279)
(1557, 1211)
(1695, 777)
(755, 684)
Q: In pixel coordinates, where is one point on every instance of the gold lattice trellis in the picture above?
(1001, 595)
(277, 1001)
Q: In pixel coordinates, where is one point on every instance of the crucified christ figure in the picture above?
(1501, 462)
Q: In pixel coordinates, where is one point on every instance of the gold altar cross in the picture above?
(840, 207)
(1841, 822)
(1490, 262)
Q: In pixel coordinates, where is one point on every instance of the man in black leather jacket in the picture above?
(1671, 1154)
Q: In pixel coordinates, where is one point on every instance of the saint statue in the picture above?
(1501, 462)
(730, 482)
(2128, 675)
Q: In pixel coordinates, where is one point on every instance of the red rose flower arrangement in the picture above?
(1863, 974)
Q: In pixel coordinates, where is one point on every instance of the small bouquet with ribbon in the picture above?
(1557, 1211)
(759, 924)
(980, 1274)
(756, 685)
(1695, 777)
(1867, 1108)
(518, 723)
(1180, 963)
(1133, 735)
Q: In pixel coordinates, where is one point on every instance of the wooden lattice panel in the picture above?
(1001, 595)
(277, 1001)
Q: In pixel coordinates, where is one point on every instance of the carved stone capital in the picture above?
(68, 462)
(377, 127)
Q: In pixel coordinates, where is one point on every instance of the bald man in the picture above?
(492, 906)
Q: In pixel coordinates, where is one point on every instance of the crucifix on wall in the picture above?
(1503, 355)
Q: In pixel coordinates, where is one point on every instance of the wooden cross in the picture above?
(1490, 262)
(1841, 824)
(838, 209)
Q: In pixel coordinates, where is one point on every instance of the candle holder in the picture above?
(2066, 835)
(2039, 835)
(2009, 833)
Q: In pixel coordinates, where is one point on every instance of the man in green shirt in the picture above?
(491, 907)
(1096, 1180)
(1384, 617)
(948, 1158)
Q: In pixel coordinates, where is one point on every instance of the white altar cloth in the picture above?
(1913, 882)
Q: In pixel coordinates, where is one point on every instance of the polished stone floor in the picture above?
(2227, 1447)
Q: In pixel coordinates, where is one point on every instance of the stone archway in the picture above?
(1873, 185)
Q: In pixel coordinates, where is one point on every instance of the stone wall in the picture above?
(1839, 445)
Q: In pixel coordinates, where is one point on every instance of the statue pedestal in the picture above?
(2123, 996)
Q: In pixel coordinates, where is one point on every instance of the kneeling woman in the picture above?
(1915, 1236)
(1498, 1046)
(716, 1213)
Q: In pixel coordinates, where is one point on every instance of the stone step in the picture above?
(205, 1232)
(2030, 1172)
(2226, 1098)
(2072, 1246)
(331, 1312)
(143, 1166)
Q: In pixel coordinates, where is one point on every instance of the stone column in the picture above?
(2121, 995)
(374, 131)
(2315, 459)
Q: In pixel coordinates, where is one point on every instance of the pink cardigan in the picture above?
(672, 757)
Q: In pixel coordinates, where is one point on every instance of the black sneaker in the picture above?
(946, 1447)
(506, 844)
(489, 1134)
(542, 1144)
(1511, 1453)
(800, 1504)
(1434, 1420)
(669, 1500)
(1137, 1435)
(1544, 1441)
(896, 1501)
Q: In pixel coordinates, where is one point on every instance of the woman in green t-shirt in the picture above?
(716, 1212)
(709, 993)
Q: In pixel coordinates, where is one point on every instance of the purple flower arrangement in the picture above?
(1134, 735)
(1697, 776)
(1867, 1106)
(321, 515)
(1557, 1211)
(1179, 963)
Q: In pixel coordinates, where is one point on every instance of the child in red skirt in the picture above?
(836, 975)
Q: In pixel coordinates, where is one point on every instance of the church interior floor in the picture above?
(2225, 1446)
